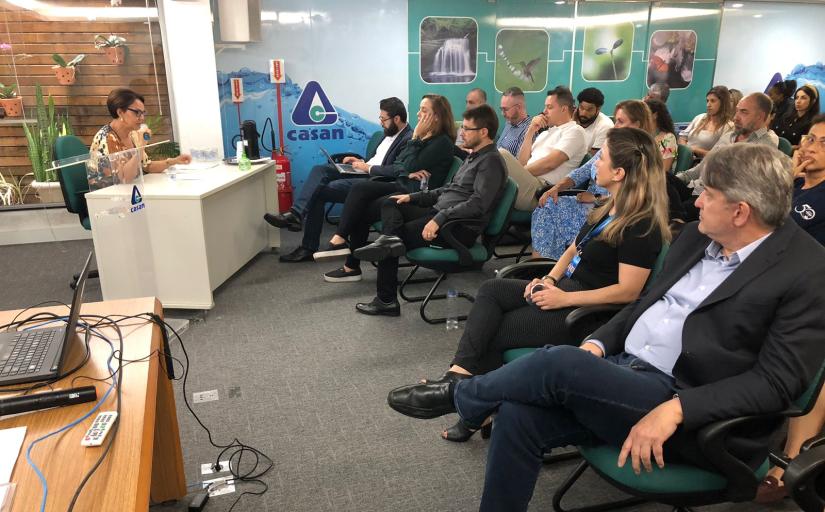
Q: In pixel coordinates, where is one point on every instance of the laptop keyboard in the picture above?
(28, 352)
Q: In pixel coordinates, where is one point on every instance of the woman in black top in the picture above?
(782, 96)
(609, 262)
(796, 123)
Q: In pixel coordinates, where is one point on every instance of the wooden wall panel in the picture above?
(29, 62)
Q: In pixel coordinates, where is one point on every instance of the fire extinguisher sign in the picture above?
(237, 90)
(277, 75)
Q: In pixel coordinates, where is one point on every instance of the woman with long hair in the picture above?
(608, 262)
(706, 128)
(665, 134)
(557, 219)
(428, 156)
(796, 122)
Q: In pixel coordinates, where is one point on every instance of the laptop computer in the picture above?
(342, 168)
(42, 354)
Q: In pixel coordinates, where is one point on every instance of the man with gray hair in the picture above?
(514, 111)
(731, 327)
(751, 125)
(658, 91)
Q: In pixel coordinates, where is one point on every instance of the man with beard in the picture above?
(751, 125)
(325, 184)
(590, 117)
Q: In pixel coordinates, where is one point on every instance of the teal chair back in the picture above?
(785, 146)
(74, 182)
(684, 159)
(587, 157)
(453, 169)
(372, 145)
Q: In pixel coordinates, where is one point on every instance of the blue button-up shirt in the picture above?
(513, 135)
(656, 337)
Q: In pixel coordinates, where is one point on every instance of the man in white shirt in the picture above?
(589, 115)
(553, 154)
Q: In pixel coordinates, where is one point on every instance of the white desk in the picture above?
(200, 233)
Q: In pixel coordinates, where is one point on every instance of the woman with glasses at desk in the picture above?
(124, 132)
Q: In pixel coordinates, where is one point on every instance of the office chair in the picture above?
(74, 183)
(457, 257)
(684, 159)
(785, 146)
(684, 485)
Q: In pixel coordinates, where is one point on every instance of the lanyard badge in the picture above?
(593, 233)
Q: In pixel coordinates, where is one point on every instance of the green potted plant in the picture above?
(65, 71)
(114, 46)
(41, 139)
(10, 101)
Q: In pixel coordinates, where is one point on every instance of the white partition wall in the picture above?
(759, 39)
(189, 52)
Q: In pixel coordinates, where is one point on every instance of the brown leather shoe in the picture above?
(770, 491)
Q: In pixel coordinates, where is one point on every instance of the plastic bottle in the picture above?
(145, 129)
(452, 307)
(243, 161)
(425, 183)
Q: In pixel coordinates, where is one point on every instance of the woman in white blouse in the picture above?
(706, 129)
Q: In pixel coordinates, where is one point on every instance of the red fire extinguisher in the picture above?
(283, 176)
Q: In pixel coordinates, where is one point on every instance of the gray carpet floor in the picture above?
(302, 377)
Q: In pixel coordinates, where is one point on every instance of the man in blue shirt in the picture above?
(732, 327)
(516, 120)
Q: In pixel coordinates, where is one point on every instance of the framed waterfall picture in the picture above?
(447, 50)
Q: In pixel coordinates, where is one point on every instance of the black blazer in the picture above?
(396, 148)
(756, 342)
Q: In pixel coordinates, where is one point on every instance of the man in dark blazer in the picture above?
(733, 326)
(326, 185)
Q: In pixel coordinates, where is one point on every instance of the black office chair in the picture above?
(74, 183)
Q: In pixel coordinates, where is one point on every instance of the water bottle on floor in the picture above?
(452, 308)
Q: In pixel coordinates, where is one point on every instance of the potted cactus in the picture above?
(65, 71)
(10, 101)
(114, 46)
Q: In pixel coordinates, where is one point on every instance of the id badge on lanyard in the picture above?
(593, 233)
(571, 267)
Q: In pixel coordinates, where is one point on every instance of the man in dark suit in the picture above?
(326, 185)
(731, 327)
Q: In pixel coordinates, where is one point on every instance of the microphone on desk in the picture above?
(37, 401)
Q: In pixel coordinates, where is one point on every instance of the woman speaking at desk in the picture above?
(124, 132)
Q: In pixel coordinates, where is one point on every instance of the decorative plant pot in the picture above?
(65, 76)
(12, 106)
(116, 54)
(48, 191)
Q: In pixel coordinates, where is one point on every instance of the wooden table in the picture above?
(146, 456)
(197, 232)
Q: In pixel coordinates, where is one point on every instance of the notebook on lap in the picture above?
(42, 354)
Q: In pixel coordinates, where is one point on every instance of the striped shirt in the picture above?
(513, 135)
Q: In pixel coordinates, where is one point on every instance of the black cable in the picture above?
(59, 303)
(252, 476)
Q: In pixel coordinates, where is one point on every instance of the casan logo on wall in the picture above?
(314, 109)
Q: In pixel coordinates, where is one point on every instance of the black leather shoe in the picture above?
(383, 247)
(461, 433)
(377, 307)
(299, 254)
(423, 401)
(286, 220)
(447, 377)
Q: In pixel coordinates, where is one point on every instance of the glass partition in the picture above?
(58, 63)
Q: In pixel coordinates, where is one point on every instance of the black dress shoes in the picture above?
(377, 307)
(423, 401)
(383, 247)
(286, 220)
(299, 254)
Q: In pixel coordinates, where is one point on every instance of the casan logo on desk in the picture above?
(137, 200)
(314, 109)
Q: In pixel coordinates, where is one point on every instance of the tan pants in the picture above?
(527, 183)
